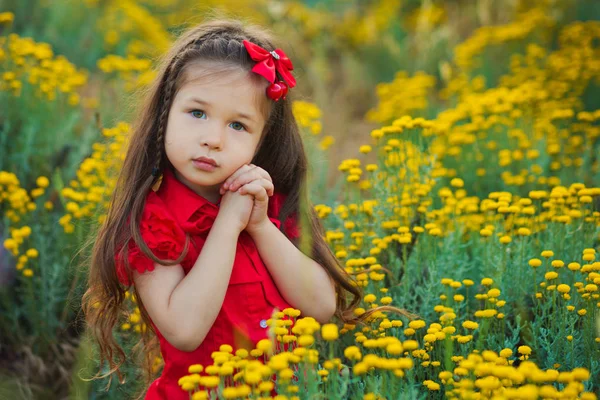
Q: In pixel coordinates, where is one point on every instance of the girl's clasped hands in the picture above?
(246, 194)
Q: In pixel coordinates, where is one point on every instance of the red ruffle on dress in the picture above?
(171, 213)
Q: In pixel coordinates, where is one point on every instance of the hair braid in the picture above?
(171, 75)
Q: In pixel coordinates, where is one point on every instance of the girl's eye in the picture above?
(198, 111)
(201, 115)
(237, 126)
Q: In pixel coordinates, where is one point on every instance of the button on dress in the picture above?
(251, 297)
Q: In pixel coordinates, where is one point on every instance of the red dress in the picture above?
(251, 296)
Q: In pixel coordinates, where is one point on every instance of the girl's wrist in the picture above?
(258, 228)
(223, 223)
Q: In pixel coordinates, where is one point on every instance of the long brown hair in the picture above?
(280, 152)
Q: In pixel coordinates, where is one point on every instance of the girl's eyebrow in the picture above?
(206, 103)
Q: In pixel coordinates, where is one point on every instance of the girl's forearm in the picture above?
(198, 298)
(302, 281)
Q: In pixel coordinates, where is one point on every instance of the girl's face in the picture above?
(217, 115)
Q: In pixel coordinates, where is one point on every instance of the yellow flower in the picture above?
(241, 353)
(574, 266)
(352, 353)
(6, 17)
(256, 353)
(226, 370)
(470, 325)
(353, 178)
(286, 374)
(360, 368)
(266, 386)
(10, 244)
(226, 348)
(195, 369)
(581, 374)
(264, 345)
(42, 182)
(547, 253)
(306, 340)
(464, 339)
(457, 183)
(395, 348)
(506, 352)
(550, 275)
(535, 262)
(210, 381)
(252, 377)
(505, 239)
(563, 288)
(329, 332)
(359, 311)
(525, 350)
(32, 253)
(365, 149)
(417, 324)
(202, 395)
(370, 298)
(487, 281)
(28, 272)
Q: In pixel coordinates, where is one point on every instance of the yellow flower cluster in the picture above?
(18, 201)
(364, 26)
(134, 320)
(15, 204)
(308, 115)
(405, 95)
(425, 17)
(25, 61)
(134, 72)
(489, 375)
(486, 36)
(543, 89)
(522, 216)
(6, 18)
(131, 19)
(89, 195)
(247, 372)
(584, 277)
(352, 26)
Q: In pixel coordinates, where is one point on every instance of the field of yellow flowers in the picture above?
(467, 191)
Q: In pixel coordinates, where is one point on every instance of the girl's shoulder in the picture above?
(162, 234)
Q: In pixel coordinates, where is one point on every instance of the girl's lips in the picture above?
(203, 165)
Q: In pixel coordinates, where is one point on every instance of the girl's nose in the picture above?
(213, 138)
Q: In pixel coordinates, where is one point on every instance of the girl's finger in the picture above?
(268, 185)
(240, 171)
(250, 176)
(263, 173)
(256, 190)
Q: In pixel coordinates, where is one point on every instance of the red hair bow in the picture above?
(268, 63)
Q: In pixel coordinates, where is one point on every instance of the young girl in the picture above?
(204, 221)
